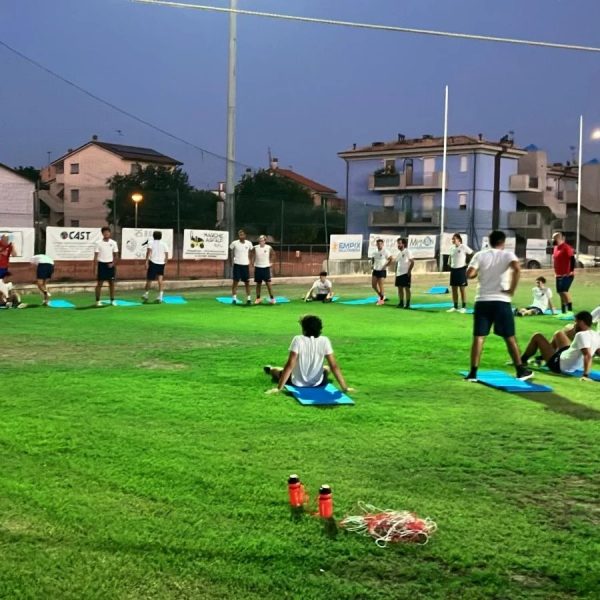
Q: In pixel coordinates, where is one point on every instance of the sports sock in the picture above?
(563, 308)
(249, 297)
(570, 307)
(456, 305)
(464, 305)
(160, 295)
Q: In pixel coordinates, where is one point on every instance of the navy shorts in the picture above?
(154, 271)
(241, 273)
(380, 274)
(403, 280)
(496, 313)
(554, 363)
(537, 311)
(106, 273)
(563, 284)
(44, 271)
(262, 274)
(3, 271)
(458, 277)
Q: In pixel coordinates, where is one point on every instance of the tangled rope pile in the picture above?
(389, 526)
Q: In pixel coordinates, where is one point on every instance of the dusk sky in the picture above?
(306, 91)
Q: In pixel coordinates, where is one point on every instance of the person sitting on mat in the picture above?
(563, 356)
(305, 361)
(321, 290)
(9, 297)
(542, 300)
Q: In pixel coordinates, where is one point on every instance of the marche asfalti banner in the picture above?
(205, 244)
(390, 242)
(134, 242)
(72, 243)
(23, 241)
(447, 241)
(345, 247)
(422, 246)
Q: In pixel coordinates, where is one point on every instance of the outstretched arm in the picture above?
(287, 370)
(516, 276)
(587, 362)
(335, 369)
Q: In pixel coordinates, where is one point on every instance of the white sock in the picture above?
(249, 297)
(234, 296)
(160, 295)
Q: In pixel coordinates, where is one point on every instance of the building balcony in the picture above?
(589, 226)
(524, 183)
(567, 196)
(384, 182)
(406, 181)
(524, 220)
(396, 218)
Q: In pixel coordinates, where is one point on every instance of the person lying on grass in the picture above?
(542, 300)
(563, 356)
(305, 361)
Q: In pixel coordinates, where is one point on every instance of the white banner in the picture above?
(23, 240)
(72, 243)
(422, 246)
(345, 247)
(134, 242)
(447, 241)
(390, 242)
(510, 244)
(202, 244)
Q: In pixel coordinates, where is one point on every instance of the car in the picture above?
(587, 261)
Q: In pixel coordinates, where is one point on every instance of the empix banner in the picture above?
(345, 247)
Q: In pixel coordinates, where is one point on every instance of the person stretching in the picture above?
(458, 272)
(381, 258)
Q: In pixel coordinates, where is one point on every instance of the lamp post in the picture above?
(137, 198)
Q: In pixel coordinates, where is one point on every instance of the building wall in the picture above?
(16, 200)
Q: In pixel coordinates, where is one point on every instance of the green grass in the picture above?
(140, 457)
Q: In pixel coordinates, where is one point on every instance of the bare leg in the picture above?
(275, 373)
(148, 285)
(247, 285)
(375, 284)
(537, 343)
(463, 295)
(269, 289)
(98, 289)
(455, 296)
(234, 287)
(258, 288)
(513, 349)
(408, 296)
(560, 340)
(476, 350)
(111, 289)
(161, 284)
(381, 290)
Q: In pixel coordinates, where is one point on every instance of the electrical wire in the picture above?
(392, 28)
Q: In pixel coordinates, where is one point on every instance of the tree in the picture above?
(30, 173)
(162, 189)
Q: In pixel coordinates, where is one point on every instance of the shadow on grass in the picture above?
(562, 405)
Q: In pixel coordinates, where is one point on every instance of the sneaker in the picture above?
(452, 309)
(98, 303)
(380, 302)
(48, 295)
(258, 301)
(144, 298)
(400, 306)
(272, 301)
(22, 305)
(462, 311)
(159, 301)
(407, 307)
(267, 369)
(248, 302)
(472, 376)
(113, 303)
(523, 374)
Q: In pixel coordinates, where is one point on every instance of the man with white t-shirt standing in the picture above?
(381, 258)
(157, 257)
(404, 266)
(241, 257)
(499, 272)
(104, 260)
(305, 361)
(263, 259)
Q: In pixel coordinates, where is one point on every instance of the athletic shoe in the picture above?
(523, 374)
(48, 295)
(380, 302)
(22, 305)
(400, 306)
(272, 301)
(407, 307)
(452, 309)
(98, 303)
(248, 302)
(472, 376)
(462, 311)
(45, 303)
(113, 303)
(144, 297)
(267, 369)
(234, 301)
(258, 301)
(159, 300)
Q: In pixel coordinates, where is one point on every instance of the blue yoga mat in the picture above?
(319, 396)
(174, 300)
(60, 304)
(123, 303)
(440, 289)
(278, 300)
(433, 305)
(370, 300)
(507, 383)
(565, 317)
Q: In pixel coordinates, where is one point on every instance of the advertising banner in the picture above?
(422, 246)
(23, 240)
(72, 243)
(345, 247)
(510, 244)
(389, 242)
(447, 241)
(203, 243)
(134, 242)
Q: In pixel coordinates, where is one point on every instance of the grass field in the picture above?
(141, 458)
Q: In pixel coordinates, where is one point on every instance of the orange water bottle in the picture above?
(325, 502)
(295, 491)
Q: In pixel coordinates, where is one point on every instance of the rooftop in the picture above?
(315, 186)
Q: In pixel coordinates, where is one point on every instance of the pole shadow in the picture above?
(562, 405)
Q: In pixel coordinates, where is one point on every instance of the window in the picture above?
(462, 200)
(74, 222)
(427, 203)
(389, 165)
(135, 168)
(74, 168)
(389, 202)
(74, 195)
(464, 164)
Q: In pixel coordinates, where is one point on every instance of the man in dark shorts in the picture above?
(241, 258)
(563, 259)
(43, 272)
(494, 266)
(105, 256)
(404, 266)
(157, 257)
(263, 259)
(381, 258)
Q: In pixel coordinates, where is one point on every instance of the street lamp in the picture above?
(137, 198)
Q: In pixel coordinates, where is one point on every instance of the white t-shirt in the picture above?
(262, 256)
(321, 287)
(241, 251)
(572, 359)
(5, 287)
(403, 261)
(308, 370)
(158, 251)
(541, 297)
(105, 249)
(493, 265)
(380, 258)
(458, 256)
(41, 259)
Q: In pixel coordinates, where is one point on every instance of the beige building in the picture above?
(77, 182)
(16, 199)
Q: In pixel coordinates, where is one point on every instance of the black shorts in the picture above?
(380, 274)
(44, 271)
(403, 280)
(537, 311)
(321, 297)
(323, 383)
(458, 277)
(154, 271)
(106, 273)
(262, 274)
(241, 273)
(496, 313)
(554, 362)
(563, 284)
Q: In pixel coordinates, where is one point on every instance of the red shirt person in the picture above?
(563, 259)
(6, 251)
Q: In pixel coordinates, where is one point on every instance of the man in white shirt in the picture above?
(381, 258)
(563, 355)
(263, 259)
(157, 257)
(43, 272)
(9, 297)
(458, 272)
(240, 258)
(404, 266)
(104, 260)
(499, 272)
(305, 361)
(542, 300)
(321, 290)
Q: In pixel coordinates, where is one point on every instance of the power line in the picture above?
(114, 106)
(392, 28)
